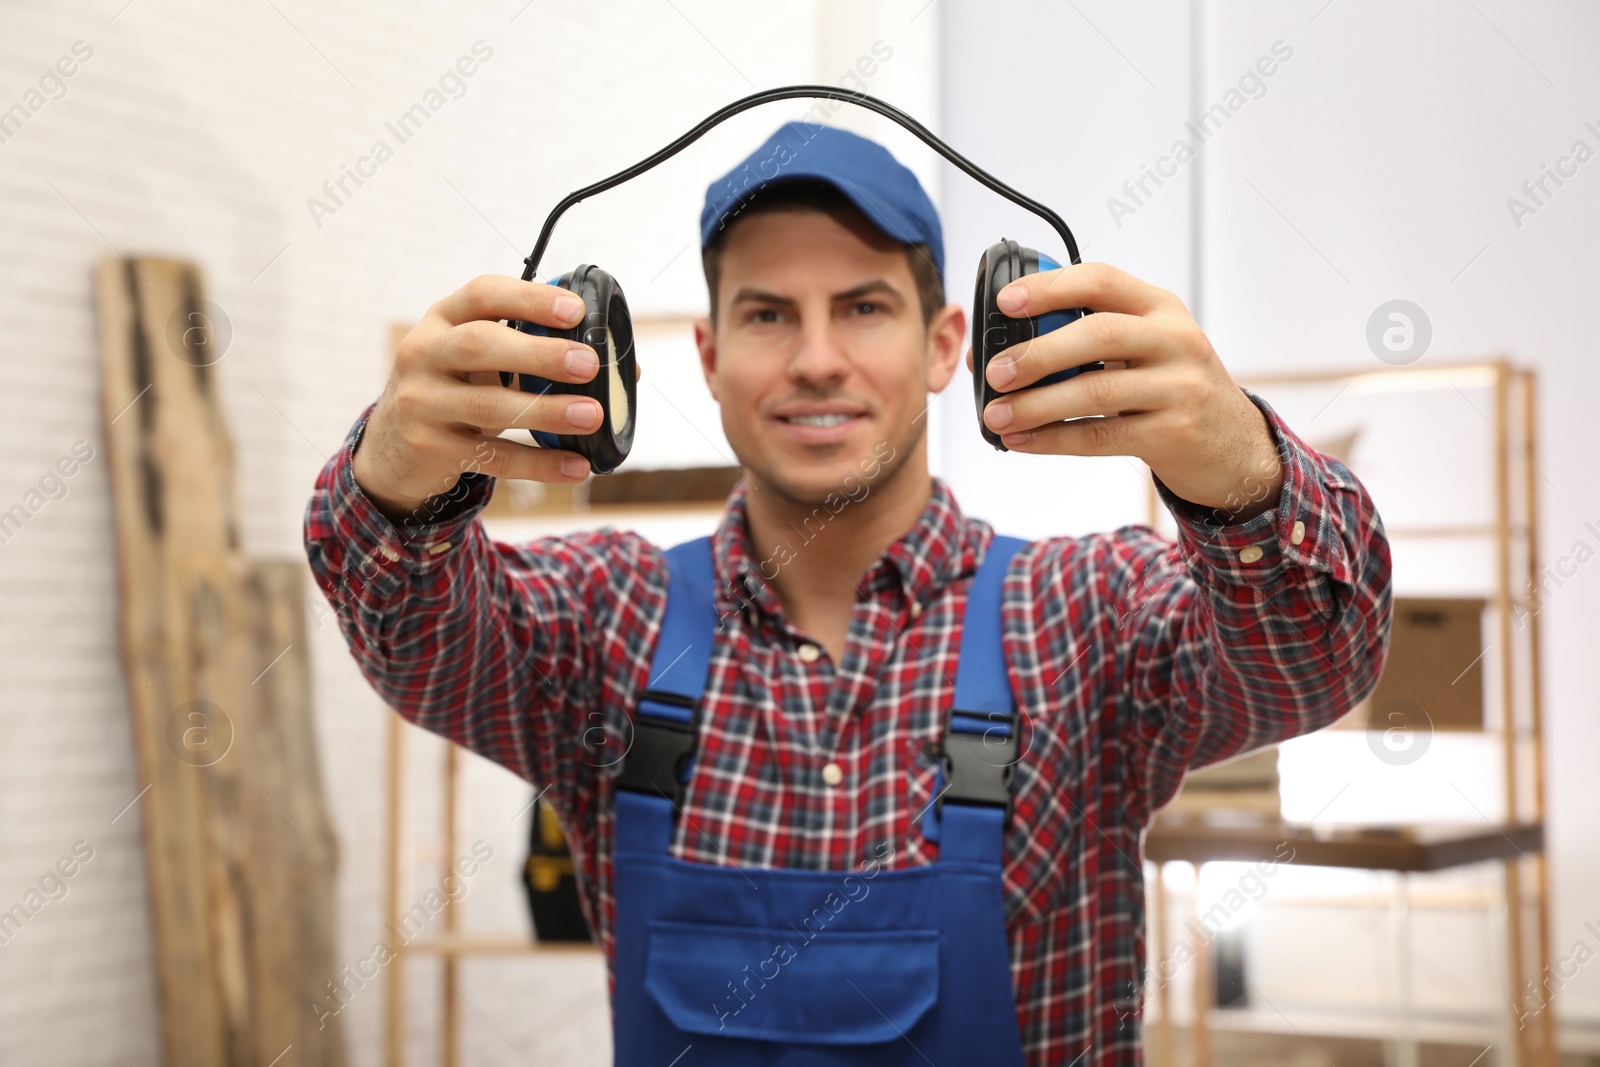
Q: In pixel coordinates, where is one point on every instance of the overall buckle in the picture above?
(658, 758)
(979, 750)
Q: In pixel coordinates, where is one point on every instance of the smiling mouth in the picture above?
(818, 420)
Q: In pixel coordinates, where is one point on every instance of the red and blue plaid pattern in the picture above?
(1133, 658)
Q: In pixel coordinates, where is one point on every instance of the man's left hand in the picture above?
(1165, 397)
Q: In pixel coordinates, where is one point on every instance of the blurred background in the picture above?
(1401, 201)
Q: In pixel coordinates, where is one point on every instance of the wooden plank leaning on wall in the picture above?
(240, 853)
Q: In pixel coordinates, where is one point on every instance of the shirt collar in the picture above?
(942, 545)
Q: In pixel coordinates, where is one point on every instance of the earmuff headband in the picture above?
(787, 92)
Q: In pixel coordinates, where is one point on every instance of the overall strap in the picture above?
(658, 760)
(982, 730)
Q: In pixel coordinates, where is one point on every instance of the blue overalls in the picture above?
(793, 968)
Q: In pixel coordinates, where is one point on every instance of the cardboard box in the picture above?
(1435, 664)
(1248, 782)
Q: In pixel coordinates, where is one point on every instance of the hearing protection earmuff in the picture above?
(1002, 264)
(608, 328)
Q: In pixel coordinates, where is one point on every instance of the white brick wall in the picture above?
(200, 131)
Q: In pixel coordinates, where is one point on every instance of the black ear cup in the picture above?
(607, 327)
(993, 331)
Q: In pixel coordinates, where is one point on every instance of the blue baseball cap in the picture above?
(864, 171)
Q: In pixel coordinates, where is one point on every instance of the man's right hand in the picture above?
(443, 408)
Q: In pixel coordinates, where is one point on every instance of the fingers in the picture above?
(479, 345)
(1118, 435)
(493, 409)
(466, 451)
(1093, 393)
(511, 459)
(1098, 286)
(494, 297)
(1103, 336)
(444, 405)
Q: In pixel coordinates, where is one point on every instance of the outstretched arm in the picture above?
(1245, 634)
(1269, 617)
(496, 647)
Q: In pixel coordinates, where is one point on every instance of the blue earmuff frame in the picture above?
(993, 331)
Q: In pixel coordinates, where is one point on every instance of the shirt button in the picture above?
(832, 774)
(1250, 553)
(388, 553)
(810, 654)
(1299, 533)
(916, 608)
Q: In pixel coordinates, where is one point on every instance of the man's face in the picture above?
(820, 359)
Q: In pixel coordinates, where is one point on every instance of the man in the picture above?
(839, 574)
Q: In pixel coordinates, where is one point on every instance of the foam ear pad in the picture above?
(607, 327)
(993, 331)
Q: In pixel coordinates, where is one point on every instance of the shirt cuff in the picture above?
(1298, 530)
(388, 551)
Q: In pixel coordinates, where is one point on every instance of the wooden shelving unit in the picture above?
(453, 943)
(1513, 533)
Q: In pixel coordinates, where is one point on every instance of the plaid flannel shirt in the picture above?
(1133, 657)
